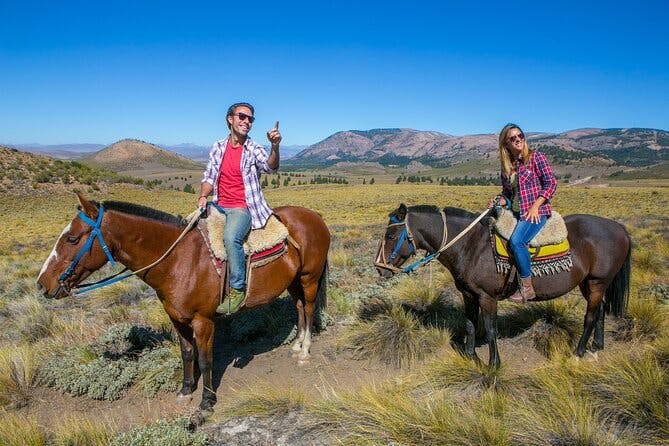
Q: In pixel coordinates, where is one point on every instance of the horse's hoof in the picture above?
(196, 419)
(591, 356)
(200, 416)
(184, 399)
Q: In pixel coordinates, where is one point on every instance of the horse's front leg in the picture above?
(489, 312)
(187, 356)
(472, 312)
(204, 338)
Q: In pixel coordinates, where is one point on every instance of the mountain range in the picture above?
(631, 147)
(587, 151)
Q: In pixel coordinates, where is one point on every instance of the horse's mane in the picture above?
(448, 210)
(424, 208)
(459, 212)
(142, 211)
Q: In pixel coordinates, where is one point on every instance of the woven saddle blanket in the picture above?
(549, 250)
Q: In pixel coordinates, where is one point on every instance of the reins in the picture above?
(428, 258)
(83, 288)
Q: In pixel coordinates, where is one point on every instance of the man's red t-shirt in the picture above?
(230, 181)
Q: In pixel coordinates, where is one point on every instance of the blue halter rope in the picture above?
(94, 233)
(404, 235)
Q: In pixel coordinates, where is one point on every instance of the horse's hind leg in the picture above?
(187, 357)
(593, 290)
(295, 290)
(598, 341)
(310, 288)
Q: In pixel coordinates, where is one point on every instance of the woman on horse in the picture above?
(528, 184)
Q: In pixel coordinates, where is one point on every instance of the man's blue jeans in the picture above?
(522, 234)
(237, 227)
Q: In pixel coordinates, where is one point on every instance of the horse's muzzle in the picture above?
(60, 292)
(385, 273)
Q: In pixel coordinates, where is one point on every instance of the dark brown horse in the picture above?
(601, 250)
(186, 281)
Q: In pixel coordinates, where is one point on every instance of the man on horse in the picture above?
(233, 176)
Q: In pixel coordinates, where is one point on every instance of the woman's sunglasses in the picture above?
(514, 138)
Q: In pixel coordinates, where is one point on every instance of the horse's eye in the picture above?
(391, 237)
(73, 239)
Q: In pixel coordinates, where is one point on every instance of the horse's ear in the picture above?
(89, 208)
(402, 211)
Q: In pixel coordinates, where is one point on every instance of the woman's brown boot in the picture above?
(525, 291)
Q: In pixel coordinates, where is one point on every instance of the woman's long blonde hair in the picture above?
(504, 156)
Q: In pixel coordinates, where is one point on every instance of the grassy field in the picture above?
(436, 397)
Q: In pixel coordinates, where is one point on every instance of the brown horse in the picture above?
(601, 251)
(186, 281)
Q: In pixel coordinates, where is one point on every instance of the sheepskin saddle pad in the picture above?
(549, 250)
(259, 242)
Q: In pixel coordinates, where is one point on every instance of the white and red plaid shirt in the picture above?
(253, 163)
(534, 179)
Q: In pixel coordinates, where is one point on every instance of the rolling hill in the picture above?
(27, 172)
(133, 155)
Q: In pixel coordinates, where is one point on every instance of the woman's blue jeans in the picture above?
(237, 227)
(521, 236)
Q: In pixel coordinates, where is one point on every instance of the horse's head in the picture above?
(397, 244)
(76, 253)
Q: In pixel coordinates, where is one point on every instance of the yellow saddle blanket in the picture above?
(549, 250)
(539, 252)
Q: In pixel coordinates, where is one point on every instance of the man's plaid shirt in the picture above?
(254, 161)
(534, 179)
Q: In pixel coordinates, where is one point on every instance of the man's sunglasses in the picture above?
(243, 116)
(514, 138)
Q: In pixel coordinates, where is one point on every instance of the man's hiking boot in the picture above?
(233, 302)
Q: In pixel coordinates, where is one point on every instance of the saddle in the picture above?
(549, 250)
(261, 246)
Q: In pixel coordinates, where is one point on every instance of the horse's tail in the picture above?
(322, 293)
(617, 294)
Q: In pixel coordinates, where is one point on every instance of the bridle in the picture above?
(406, 234)
(95, 233)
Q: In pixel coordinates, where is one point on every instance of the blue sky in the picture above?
(165, 72)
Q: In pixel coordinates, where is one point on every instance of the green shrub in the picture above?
(123, 356)
(162, 433)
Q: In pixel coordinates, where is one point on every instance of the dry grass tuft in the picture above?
(553, 326)
(16, 430)
(395, 337)
(634, 390)
(453, 370)
(266, 400)
(19, 375)
(557, 412)
(646, 318)
(387, 414)
(71, 432)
